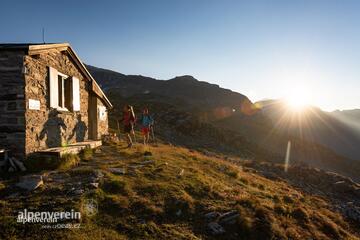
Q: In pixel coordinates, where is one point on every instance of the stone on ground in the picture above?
(117, 170)
(215, 228)
(30, 182)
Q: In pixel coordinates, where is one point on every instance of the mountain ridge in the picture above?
(217, 115)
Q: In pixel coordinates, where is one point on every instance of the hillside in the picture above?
(228, 122)
(168, 192)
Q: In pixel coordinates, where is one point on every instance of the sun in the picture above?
(298, 99)
(296, 103)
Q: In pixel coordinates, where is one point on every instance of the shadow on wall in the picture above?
(79, 130)
(55, 126)
(52, 129)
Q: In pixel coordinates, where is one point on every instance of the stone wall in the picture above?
(12, 104)
(48, 127)
(103, 125)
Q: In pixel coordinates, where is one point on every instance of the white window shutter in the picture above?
(53, 85)
(76, 93)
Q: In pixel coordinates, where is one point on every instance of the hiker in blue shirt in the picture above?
(146, 123)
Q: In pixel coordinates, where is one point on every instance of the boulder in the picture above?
(178, 213)
(19, 164)
(215, 228)
(351, 211)
(229, 218)
(117, 170)
(30, 182)
(211, 216)
(78, 191)
(98, 174)
(147, 162)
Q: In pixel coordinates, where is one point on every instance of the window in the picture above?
(64, 91)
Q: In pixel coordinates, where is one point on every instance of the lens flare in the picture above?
(287, 156)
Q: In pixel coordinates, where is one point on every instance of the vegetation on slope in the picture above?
(166, 193)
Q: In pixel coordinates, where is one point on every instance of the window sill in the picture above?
(64, 111)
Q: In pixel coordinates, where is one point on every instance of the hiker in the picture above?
(129, 120)
(146, 123)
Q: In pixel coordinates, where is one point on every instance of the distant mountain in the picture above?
(339, 130)
(203, 115)
(196, 93)
(349, 117)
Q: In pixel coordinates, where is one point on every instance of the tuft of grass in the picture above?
(68, 161)
(261, 187)
(244, 181)
(179, 207)
(330, 229)
(114, 186)
(288, 199)
(115, 205)
(276, 199)
(232, 173)
(280, 209)
(244, 223)
(265, 226)
(327, 224)
(146, 209)
(300, 214)
(87, 154)
(248, 202)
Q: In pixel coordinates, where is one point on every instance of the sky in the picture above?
(264, 49)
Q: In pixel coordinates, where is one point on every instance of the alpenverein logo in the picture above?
(46, 217)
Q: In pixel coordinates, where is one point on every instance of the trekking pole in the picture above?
(133, 132)
(152, 133)
(118, 128)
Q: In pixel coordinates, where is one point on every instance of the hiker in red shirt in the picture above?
(129, 120)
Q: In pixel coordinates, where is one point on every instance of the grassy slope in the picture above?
(154, 202)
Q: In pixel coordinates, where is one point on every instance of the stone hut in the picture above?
(47, 99)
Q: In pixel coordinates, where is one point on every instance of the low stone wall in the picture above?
(12, 103)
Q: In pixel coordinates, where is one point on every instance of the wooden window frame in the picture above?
(61, 92)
